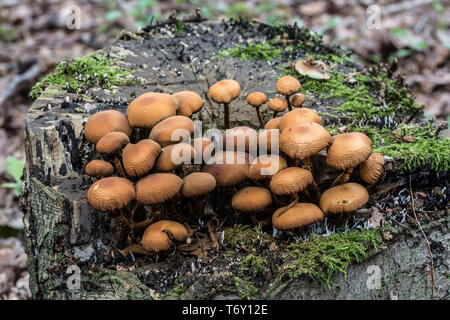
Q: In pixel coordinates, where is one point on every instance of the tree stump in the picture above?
(66, 237)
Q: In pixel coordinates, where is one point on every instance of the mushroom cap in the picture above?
(297, 100)
(298, 116)
(256, 99)
(99, 168)
(204, 147)
(266, 166)
(303, 140)
(266, 138)
(228, 167)
(112, 142)
(139, 158)
(171, 157)
(103, 122)
(371, 169)
(344, 198)
(287, 85)
(277, 104)
(349, 150)
(197, 184)
(251, 199)
(224, 91)
(158, 188)
(150, 108)
(273, 123)
(290, 181)
(189, 102)
(180, 127)
(112, 193)
(241, 139)
(155, 238)
(301, 214)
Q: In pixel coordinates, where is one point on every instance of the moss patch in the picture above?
(253, 265)
(246, 237)
(252, 51)
(245, 288)
(93, 69)
(322, 257)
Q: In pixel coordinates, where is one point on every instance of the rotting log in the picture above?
(62, 230)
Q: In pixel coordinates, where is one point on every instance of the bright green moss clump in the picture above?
(245, 237)
(253, 51)
(74, 76)
(322, 257)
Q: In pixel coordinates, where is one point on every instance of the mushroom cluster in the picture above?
(147, 163)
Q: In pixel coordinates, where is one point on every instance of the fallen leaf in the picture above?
(308, 70)
(408, 139)
(273, 247)
(377, 218)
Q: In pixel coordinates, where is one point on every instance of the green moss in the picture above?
(176, 291)
(93, 69)
(245, 288)
(321, 257)
(253, 265)
(426, 148)
(245, 237)
(253, 51)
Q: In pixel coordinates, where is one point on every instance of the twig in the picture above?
(425, 239)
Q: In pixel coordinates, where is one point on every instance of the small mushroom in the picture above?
(189, 102)
(251, 200)
(287, 86)
(297, 100)
(138, 159)
(268, 139)
(172, 130)
(277, 105)
(298, 116)
(256, 100)
(113, 194)
(150, 108)
(291, 181)
(297, 216)
(347, 151)
(339, 202)
(99, 168)
(156, 189)
(224, 91)
(111, 144)
(101, 123)
(228, 167)
(241, 139)
(161, 235)
(204, 149)
(301, 141)
(371, 171)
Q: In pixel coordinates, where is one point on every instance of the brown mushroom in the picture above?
(174, 156)
(339, 202)
(161, 235)
(287, 86)
(251, 200)
(241, 139)
(291, 181)
(228, 167)
(172, 130)
(101, 123)
(189, 102)
(372, 169)
(138, 159)
(273, 124)
(297, 100)
(267, 140)
(204, 149)
(223, 92)
(301, 141)
(297, 216)
(277, 105)
(111, 144)
(298, 116)
(113, 194)
(347, 151)
(99, 168)
(266, 166)
(150, 108)
(256, 100)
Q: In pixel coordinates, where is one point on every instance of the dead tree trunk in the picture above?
(66, 237)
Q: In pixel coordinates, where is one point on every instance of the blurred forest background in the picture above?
(34, 37)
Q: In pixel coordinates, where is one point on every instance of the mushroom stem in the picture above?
(306, 163)
(211, 235)
(227, 115)
(274, 114)
(119, 167)
(265, 222)
(142, 224)
(340, 219)
(124, 231)
(260, 118)
(289, 103)
(342, 178)
(314, 192)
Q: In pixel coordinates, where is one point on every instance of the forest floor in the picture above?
(34, 37)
